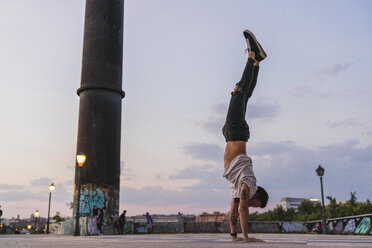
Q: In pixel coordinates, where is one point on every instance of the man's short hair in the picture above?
(263, 196)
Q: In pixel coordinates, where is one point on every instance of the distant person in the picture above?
(149, 222)
(122, 221)
(100, 221)
(104, 209)
(319, 228)
(115, 221)
(104, 214)
(238, 166)
(94, 211)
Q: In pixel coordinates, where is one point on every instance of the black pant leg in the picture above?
(248, 91)
(236, 111)
(236, 128)
(246, 80)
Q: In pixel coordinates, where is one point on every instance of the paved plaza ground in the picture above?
(182, 240)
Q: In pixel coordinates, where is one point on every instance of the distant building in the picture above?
(162, 218)
(204, 217)
(215, 216)
(292, 202)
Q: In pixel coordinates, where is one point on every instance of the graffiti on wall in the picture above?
(83, 226)
(100, 196)
(111, 198)
(364, 226)
(294, 227)
(90, 197)
(67, 226)
(350, 226)
(92, 226)
(338, 227)
(142, 229)
(330, 226)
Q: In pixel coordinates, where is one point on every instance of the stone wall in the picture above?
(360, 225)
(88, 226)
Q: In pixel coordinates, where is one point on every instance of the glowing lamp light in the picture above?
(29, 227)
(37, 212)
(80, 158)
(51, 187)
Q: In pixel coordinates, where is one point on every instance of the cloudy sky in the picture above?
(312, 104)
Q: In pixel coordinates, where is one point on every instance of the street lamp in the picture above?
(51, 188)
(1, 213)
(80, 158)
(36, 214)
(320, 172)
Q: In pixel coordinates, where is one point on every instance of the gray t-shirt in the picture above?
(240, 171)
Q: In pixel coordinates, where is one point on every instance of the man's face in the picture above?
(254, 202)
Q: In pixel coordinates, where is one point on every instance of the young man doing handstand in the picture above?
(238, 166)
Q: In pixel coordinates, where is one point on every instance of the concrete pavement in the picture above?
(182, 241)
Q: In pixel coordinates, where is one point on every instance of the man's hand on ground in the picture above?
(237, 239)
(253, 240)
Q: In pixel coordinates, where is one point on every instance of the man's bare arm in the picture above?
(234, 219)
(244, 212)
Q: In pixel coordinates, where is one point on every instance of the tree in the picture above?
(332, 210)
(57, 217)
(364, 208)
(353, 199)
(282, 215)
(309, 210)
(313, 211)
(335, 210)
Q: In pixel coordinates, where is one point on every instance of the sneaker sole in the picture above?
(255, 45)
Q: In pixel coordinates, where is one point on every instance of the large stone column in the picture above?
(100, 106)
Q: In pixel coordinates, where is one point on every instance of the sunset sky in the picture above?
(312, 104)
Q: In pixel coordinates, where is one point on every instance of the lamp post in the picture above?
(51, 188)
(320, 172)
(80, 158)
(36, 214)
(1, 214)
